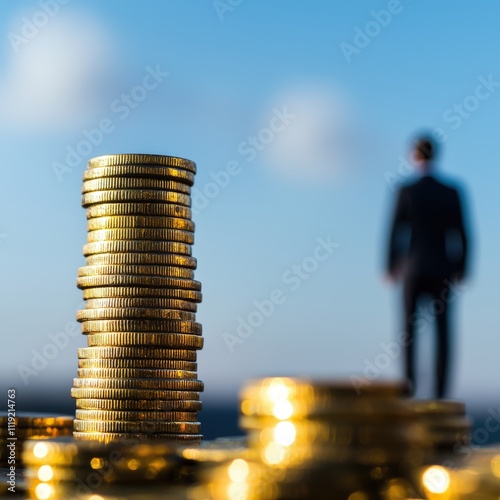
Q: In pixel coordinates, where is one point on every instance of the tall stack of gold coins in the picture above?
(137, 378)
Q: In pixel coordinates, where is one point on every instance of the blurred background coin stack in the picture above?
(448, 430)
(65, 468)
(138, 376)
(15, 431)
(365, 441)
(305, 439)
(478, 479)
(27, 425)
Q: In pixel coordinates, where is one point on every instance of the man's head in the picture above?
(424, 152)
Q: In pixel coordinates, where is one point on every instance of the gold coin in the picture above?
(136, 280)
(80, 466)
(162, 327)
(69, 452)
(296, 388)
(33, 419)
(300, 398)
(130, 416)
(139, 221)
(141, 159)
(139, 208)
(436, 408)
(180, 340)
(135, 195)
(142, 303)
(132, 233)
(59, 454)
(108, 313)
(134, 426)
(132, 372)
(108, 437)
(119, 259)
(112, 183)
(140, 383)
(152, 404)
(155, 172)
(58, 475)
(143, 353)
(137, 364)
(345, 411)
(97, 393)
(136, 292)
(55, 451)
(82, 459)
(169, 271)
(22, 434)
(124, 246)
(219, 450)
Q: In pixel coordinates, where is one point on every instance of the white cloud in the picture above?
(59, 77)
(320, 144)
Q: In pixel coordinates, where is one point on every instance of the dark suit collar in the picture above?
(431, 174)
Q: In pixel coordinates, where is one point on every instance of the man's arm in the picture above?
(399, 224)
(463, 240)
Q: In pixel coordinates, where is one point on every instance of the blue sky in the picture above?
(326, 172)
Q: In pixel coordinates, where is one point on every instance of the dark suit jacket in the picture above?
(428, 237)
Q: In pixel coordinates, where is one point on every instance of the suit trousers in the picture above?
(415, 289)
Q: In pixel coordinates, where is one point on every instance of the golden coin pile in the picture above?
(138, 376)
(447, 427)
(354, 442)
(68, 469)
(14, 430)
(305, 439)
(477, 479)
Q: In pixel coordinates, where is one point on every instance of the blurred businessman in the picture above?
(428, 250)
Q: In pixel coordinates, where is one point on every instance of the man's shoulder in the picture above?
(434, 182)
(450, 186)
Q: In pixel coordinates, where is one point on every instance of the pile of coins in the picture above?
(479, 479)
(137, 378)
(305, 439)
(365, 442)
(17, 429)
(64, 468)
(447, 427)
